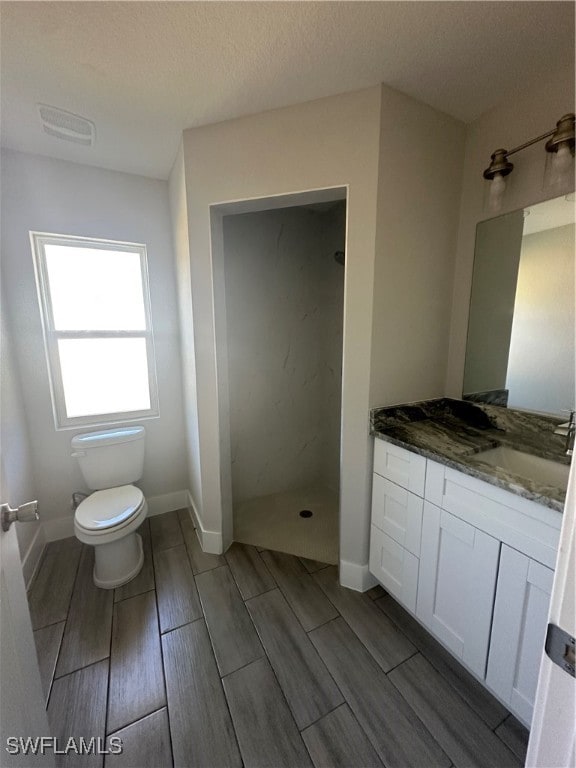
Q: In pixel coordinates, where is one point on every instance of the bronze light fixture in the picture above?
(560, 145)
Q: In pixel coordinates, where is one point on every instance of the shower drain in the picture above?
(305, 513)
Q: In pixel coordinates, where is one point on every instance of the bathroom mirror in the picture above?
(521, 333)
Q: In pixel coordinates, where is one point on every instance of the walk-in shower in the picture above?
(284, 290)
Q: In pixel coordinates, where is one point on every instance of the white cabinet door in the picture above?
(394, 567)
(397, 512)
(456, 584)
(518, 630)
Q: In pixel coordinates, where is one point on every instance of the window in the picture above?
(96, 316)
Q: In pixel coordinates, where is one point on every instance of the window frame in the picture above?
(62, 421)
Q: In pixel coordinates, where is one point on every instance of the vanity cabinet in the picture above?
(518, 630)
(473, 562)
(458, 570)
(394, 567)
(397, 504)
(402, 467)
(398, 513)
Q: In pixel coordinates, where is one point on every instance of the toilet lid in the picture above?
(108, 508)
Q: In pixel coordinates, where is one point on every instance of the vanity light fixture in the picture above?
(559, 166)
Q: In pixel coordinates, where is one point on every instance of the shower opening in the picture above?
(283, 293)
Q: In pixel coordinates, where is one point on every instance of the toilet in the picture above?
(107, 519)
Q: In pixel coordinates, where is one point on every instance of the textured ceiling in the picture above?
(144, 71)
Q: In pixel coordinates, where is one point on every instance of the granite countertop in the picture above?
(452, 431)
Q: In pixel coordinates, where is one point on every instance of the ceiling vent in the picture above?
(65, 125)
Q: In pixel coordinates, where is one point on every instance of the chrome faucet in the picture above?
(568, 430)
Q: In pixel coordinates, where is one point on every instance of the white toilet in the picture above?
(107, 519)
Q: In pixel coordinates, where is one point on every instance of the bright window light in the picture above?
(95, 289)
(96, 313)
(104, 375)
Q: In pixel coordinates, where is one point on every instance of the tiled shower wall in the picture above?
(284, 304)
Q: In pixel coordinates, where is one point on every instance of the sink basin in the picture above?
(526, 465)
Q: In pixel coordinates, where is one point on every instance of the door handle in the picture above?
(25, 513)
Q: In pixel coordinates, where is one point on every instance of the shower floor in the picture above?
(274, 522)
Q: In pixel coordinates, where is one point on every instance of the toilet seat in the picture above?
(108, 520)
(109, 511)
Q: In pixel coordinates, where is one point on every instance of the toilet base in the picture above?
(118, 562)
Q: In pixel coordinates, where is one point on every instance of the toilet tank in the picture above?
(111, 457)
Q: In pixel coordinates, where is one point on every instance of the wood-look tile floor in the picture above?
(250, 659)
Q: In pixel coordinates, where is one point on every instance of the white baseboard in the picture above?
(210, 541)
(31, 559)
(356, 577)
(192, 511)
(63, 527)
(59, 528)
(167, 502)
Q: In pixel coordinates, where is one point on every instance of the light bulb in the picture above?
(560, 168)
(497, 189)
(561, 163)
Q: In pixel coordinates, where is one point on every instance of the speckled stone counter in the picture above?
(452, 432)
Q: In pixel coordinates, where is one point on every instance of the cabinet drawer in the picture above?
(397, 512)
(394, 567)
(402, 467)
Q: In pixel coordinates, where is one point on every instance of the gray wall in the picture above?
(284, 305)
(324, 144)
(419, 178)
(180, 237)
(400, 161)
(48, 195)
